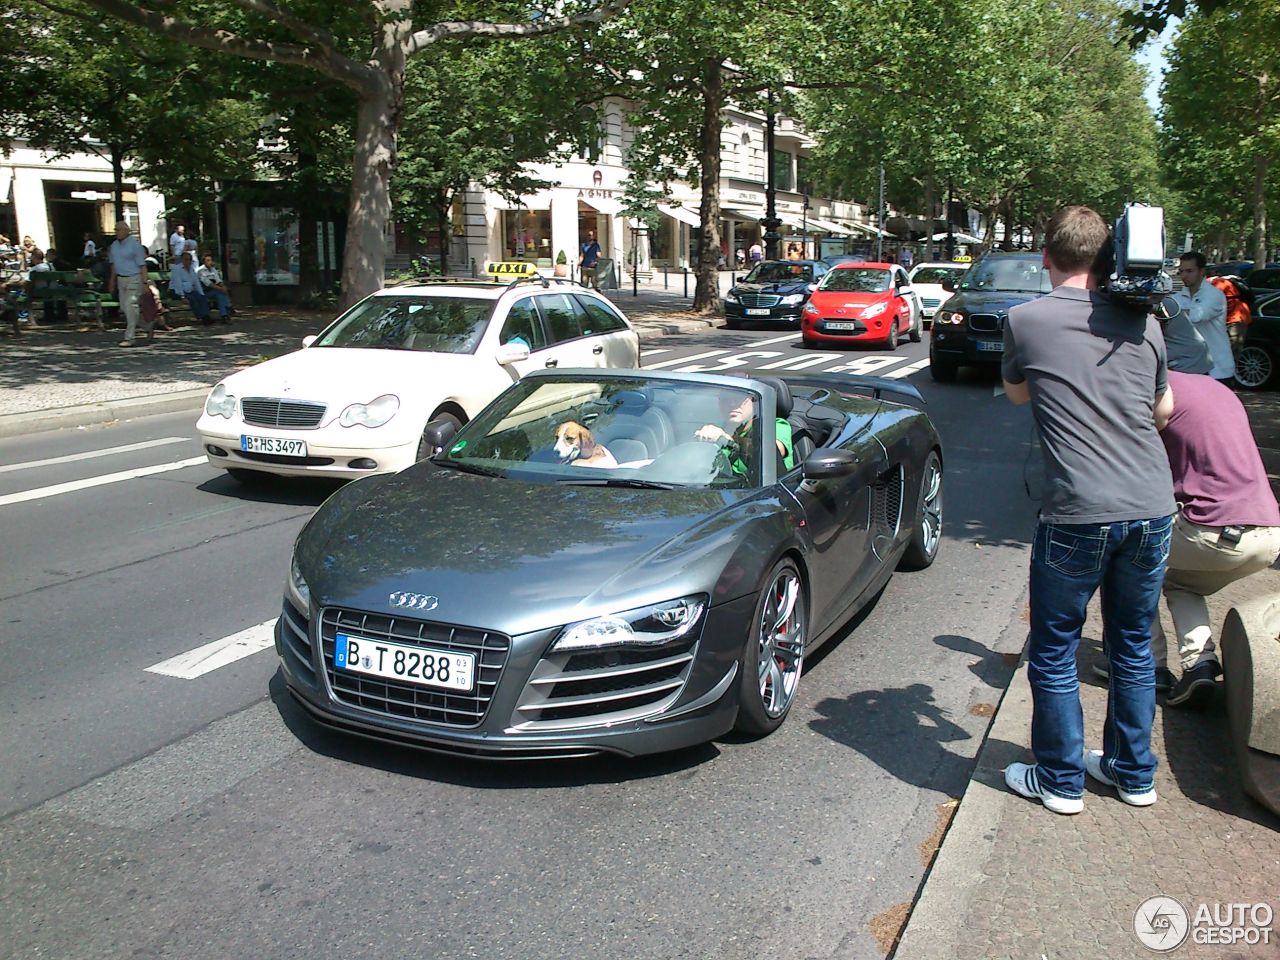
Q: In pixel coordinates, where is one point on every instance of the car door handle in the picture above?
(598, 348)
(553, 362)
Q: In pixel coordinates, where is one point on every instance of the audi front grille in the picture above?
(411, 701)
(268, 412)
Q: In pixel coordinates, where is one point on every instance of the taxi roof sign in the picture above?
(511, 268)
(964, 258)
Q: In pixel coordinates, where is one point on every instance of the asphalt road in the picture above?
(142, 814)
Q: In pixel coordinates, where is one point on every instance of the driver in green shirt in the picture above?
(739, 416)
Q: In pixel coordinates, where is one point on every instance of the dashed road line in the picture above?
(59, 488)
(219, 653)
(909, 369)
(89, 455)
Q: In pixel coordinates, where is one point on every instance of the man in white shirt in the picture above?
(1206, 307)
(90, 250)
(215, 288)
(184, 281)
(128, 271)
(177, 244)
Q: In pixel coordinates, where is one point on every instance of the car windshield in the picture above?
(856, 280)
(431, 324)
(1009, 274)
(616, 431)
(776, 271)
(936, 274)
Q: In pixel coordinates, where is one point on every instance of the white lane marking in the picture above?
(908, 369)
(864, 366)
(655, 352)
(41, 492)
(109, 451)
(742, 359)
(219, 653)
(678, 360)
(782, 339)
(801, 363)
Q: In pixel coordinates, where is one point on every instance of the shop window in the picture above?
(276, 260)
(526, 235)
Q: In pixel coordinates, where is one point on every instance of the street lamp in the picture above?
(771, 222)
(804, 226)
(951, 237)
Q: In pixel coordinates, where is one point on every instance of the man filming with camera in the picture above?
(1095, 374)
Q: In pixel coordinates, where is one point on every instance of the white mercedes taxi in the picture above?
(356, 398)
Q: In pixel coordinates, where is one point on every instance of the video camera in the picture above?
(1133, 273)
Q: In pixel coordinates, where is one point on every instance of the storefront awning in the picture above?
(742, 216)
(606, 205)
(959, 236)
(869, 229)
(819, 225)
(681, 214)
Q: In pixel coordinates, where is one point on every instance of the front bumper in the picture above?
(961, 346)
(702, 707)
(776, 314)
(220, 440)
(819, 330)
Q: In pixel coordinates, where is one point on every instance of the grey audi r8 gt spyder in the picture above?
(611, 561)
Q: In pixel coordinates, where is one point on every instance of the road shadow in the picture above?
(284, 491)
(488, 774)
(903, 731)
(993, 669)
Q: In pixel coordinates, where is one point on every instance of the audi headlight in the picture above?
(220, 403)
(792, 299)
(875, 310)
(372, 414)
(299, 592)
(730, 297)
(644, 626)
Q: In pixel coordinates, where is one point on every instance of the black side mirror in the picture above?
(949, 284)
(438, 434)
(826, 462)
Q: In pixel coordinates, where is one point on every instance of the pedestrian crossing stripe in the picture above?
(511, 268)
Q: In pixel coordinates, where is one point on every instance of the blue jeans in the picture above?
(220, 300)
(199, 305)
(1126, 559)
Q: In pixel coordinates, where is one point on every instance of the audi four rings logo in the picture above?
(413, 601)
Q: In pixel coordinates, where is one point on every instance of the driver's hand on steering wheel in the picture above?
(711, 433)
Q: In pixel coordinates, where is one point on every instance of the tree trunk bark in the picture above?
(1260, 165)
(929, 200)
(706, 297)
(117, 177)
(364, 256)
(442, 226)
(1006, 214)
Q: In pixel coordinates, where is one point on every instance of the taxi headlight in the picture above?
(875, 310)
(220, 403)
(372, 414)
(644, 626)
(296, 586)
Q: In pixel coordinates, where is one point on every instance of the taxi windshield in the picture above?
(429, 324)
(856, 280)
(616, 431)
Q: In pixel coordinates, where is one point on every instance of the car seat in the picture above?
(634, 429)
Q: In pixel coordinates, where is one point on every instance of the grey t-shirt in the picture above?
(1094, 370)
(1187, 350)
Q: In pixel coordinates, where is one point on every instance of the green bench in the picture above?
(49, 287)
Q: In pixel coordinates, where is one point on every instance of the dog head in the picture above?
(574, 442)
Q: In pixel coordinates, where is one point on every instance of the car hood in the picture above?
(837, 298)
(783, 287)
(507, 555)
(988, 301)
(339, 375)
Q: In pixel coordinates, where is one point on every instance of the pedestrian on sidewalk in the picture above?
(588, 259)
(1228, 524)
(177, 245)
(1095, 375)
(90, 251)
(215, 288)
(128, 270)
(185, 282)
(1204, 305)
(1239, 310)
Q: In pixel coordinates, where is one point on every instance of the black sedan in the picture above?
(775, 290)
(609, 561)
(1258, 361)
(968, 329)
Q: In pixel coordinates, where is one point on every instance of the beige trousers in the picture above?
(128, 289)
(1200, 564)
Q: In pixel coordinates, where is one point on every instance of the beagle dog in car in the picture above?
(575, 444)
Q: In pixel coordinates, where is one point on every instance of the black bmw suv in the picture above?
(968, 329)
(775, 290)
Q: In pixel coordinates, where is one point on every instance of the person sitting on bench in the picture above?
(215, 288)
(184, 281)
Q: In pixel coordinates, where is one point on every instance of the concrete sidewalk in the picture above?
(71, 374)
(1012, 880)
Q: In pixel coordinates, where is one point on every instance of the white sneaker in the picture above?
(1024, 781)
(1093, 767)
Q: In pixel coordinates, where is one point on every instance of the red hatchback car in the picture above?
(862, 302)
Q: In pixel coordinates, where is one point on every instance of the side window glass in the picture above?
(560, 312)
(600, 319)
(522, 325)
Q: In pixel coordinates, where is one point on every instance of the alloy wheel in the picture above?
(931, 508)
(1254, 368)
(781, 639)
